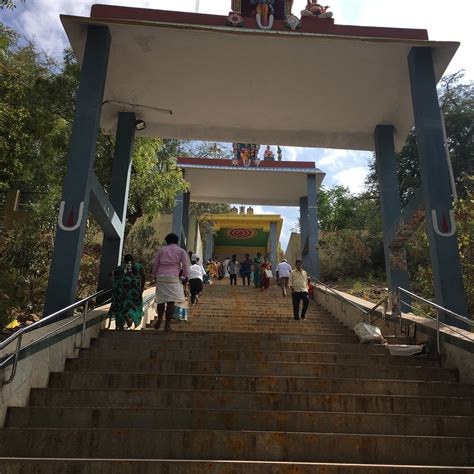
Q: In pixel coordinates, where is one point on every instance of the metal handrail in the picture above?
(18, 335)
(147, 304)
(398, 311)
(437, 306)
(338, 295)
(439, 323)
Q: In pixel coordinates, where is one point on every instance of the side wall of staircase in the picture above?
(457, 349)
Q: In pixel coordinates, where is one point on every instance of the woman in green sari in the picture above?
(256, 274)
(127, 293)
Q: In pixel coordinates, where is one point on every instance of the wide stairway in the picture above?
(243, 388)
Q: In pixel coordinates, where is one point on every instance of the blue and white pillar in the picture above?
(72, 219)
(313, 266)
(208, 244)
(186, 203)
(395, 259)
(303, 232)
(273, 245)
(118, 194)
(441, 226)
(177, 224)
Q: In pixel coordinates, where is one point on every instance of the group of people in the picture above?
(257, 271)
(179, 274)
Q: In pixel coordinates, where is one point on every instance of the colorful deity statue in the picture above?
(265, 12)
(268, 154)
(279, 153)
(246, 153)
(314, 8)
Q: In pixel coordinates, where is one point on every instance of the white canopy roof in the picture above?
(253, 86)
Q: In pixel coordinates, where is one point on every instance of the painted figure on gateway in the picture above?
(268, 155)
(316, 9)
(245, 154)
(264, 13)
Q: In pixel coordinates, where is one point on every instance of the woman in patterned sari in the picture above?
(256, 274)
(127, 293)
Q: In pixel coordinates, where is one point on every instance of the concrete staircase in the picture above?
(243, 388)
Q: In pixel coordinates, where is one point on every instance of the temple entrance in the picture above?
(335, 86)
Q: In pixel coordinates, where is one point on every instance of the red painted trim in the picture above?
(185, 160)
(309, 24)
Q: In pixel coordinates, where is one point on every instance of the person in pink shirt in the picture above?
(168, 263)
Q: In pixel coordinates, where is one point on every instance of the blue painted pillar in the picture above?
(118, 194)
(69, 243)
(208, 244)
(441, 227)
(395, 259)
(313, 266)
(273, 245)
(177, 224)
(186, 202)
(303, 232)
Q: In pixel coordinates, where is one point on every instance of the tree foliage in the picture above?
(338, 209)
(37, 105)
(8, 4)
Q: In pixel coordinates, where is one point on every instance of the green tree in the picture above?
(338, 209)
(37, 102)
(142, 244)
(33, 136)
(156, 180)
(9, 4)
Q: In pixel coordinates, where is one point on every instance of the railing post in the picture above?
(15, 362)
(438, 344)
(84, 323)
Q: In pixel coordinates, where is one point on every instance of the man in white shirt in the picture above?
(283, 274)
(299, 290)
(195, 275)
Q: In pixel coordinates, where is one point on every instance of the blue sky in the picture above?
(38, 20)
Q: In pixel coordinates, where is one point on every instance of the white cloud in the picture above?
(353, 178)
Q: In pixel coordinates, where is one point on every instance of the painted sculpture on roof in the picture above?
(264, 12)
(245, 154)
(314, 8)
(268, 154)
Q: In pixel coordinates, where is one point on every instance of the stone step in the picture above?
(253, 445)
(175, 341)
(240, 337)
(235, 420)
(278, 312)
(270, 356)
(303, 326)
(251, 400)
(243, 337)
(193, 327)
(143, 466)
(230, 367)
(202, 327)
(256, 383)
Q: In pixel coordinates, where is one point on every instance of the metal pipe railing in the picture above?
(397, 309)
(339, 296)
(439, 323)
(18, 335)
(147, 304)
